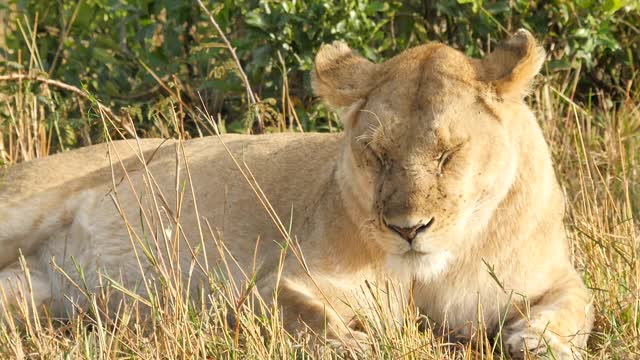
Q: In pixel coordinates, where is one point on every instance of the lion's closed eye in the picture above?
(445, 157)
(377, 154)
(372, 154)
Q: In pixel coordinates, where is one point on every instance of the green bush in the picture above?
(139, 56)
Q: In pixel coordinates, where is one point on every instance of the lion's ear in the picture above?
(513, 65)
(341, 77)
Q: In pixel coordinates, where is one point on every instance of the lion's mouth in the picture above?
(415, 253)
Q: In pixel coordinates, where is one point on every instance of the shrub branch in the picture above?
(59, 84)
(250, 95)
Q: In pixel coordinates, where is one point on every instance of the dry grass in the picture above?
(597, 155)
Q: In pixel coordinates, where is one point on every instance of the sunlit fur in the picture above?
(429, 134)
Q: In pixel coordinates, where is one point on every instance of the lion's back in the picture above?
(95, 165)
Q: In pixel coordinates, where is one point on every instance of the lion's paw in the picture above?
(352, 345)
(531, 343)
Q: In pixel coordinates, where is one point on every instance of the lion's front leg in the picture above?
(558, 325)
(304, 307)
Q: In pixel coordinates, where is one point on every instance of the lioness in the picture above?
(441, 174)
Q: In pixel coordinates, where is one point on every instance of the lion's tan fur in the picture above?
(495, 202)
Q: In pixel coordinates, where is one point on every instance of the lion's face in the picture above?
(435, 168)
(430, 141)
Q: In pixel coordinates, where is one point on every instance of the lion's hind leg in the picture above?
(24, 288)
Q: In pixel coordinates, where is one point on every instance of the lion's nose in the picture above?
(410, 233)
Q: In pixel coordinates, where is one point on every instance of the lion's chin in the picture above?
(422, 266)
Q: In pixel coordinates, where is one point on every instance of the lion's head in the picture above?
(432, 140)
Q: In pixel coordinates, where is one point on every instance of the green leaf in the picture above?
(581, 33)
(377, 6)
(611, 6)
(498, 8)
(559, 65)
(256, 19)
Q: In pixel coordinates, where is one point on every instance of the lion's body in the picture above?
(495, 235)
(87, 225)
